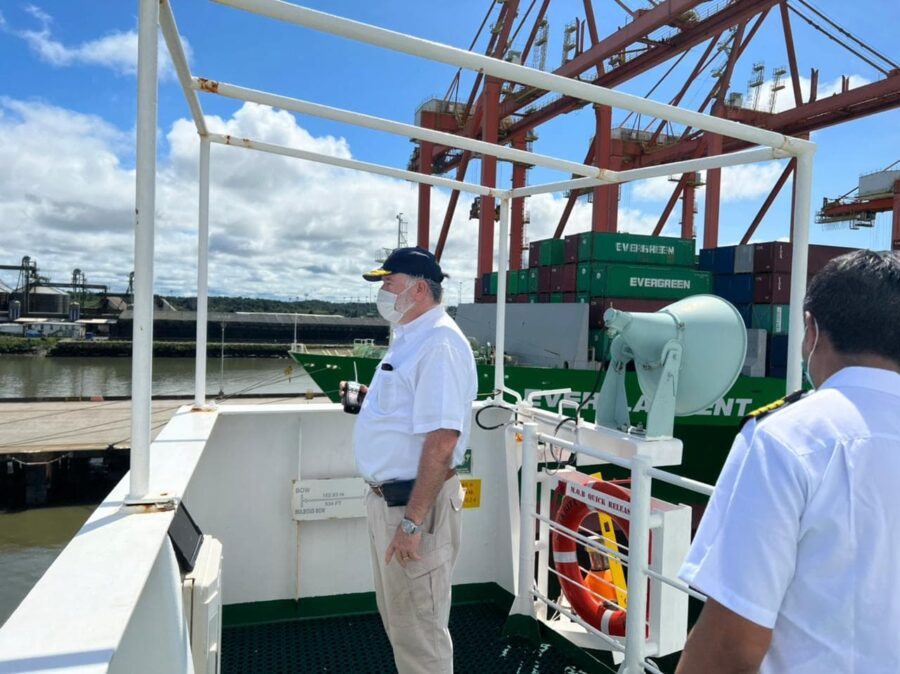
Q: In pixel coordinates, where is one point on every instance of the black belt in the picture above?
(396, 492)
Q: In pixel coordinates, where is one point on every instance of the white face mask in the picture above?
(808, 364)
(390, 306)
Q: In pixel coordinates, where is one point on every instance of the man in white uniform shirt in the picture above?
(799, 546)
(412, 429)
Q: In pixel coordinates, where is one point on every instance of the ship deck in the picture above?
(358, 643)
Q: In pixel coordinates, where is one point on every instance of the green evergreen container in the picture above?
(598, 341)
(553, 252)
(583, 277)
(638, 249)
(532, 298)
(556, 298)
(493, 283)
(583, 298)
(534, 278)
(648, 281)
(512, 282)
(585, 241)
(774, 318)
(523, 281)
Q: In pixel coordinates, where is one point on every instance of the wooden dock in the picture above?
(86, 426)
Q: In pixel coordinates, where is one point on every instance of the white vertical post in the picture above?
(502, 265)
(638, 553)
(203, 277)
(524, 601)
(799, 266)
(145, 204)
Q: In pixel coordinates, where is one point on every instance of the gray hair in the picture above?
(435, 288)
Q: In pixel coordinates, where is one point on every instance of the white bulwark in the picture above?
(328, 499)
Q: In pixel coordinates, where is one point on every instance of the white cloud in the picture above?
(279, 226)
(747, 181)
(116, 51)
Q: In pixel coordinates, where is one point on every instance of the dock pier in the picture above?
(75, 450)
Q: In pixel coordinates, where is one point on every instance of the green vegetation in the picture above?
(259, 304)
(24, 345)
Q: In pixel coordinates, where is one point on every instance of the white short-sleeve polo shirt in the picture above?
(426, 381)
(802, 534)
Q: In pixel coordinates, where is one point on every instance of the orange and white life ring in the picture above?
(571, 514)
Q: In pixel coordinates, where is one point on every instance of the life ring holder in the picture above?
(570, 514)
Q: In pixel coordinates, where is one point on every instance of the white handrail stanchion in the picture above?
(144, 224)
(524, 601)
(638, 551)
(800, 240)
(202, 277)
(502, 265)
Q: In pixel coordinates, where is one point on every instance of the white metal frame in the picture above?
(152, 13)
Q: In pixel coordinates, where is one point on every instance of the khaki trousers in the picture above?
(414, 601)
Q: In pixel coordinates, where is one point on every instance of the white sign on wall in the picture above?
(328, 499)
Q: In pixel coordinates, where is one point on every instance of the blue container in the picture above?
(746, 312)
(776, 355)
(736, 288)
(723, 260)
(707, 259)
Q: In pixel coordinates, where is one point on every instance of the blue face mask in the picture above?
(808, 362)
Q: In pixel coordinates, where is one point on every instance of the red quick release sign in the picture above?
(598, 500)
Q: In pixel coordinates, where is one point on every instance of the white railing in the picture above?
(647, 633)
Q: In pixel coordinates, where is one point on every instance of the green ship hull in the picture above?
(707, 436)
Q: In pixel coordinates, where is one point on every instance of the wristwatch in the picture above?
(408, 527)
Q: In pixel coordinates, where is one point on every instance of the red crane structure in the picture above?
(877, 192)
(509, 114)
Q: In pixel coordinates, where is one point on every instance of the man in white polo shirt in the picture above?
(413, 427)
(798, 548)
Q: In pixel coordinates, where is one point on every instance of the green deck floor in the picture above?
(358, 644)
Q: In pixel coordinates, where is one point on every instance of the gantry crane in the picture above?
(656, 34)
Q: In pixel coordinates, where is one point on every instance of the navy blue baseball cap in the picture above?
(413, 261)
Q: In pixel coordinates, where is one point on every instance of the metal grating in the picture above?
(358, 644)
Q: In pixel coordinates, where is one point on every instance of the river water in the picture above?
(31, 540)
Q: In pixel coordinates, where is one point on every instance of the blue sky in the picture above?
(284, 228)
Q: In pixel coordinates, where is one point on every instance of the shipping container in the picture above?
(776, 352)
(534, 254)
(648, 281)
(512, 282)
(544, 298)
(556, 278)
(569, 298)
(743, 259)
(493, 287)
(583, 298)
(639, 249)
(736, 288)
(746, 312)
(772, 289)
(534, 278)
(523, 280)
(584, 246)
(544, 284)
(773, 318)
(571, 248)
(819, 256)
(552, 252)
(723, 260)
(556, 298)
(569, 278)
(480, 284)
(583, 278)
(533, 298)
(598, 344)
(707, 261)
(599, 305)
(774, 256)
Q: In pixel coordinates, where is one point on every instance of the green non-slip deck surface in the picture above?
(356, 644)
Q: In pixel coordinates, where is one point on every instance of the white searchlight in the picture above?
(686, 356)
